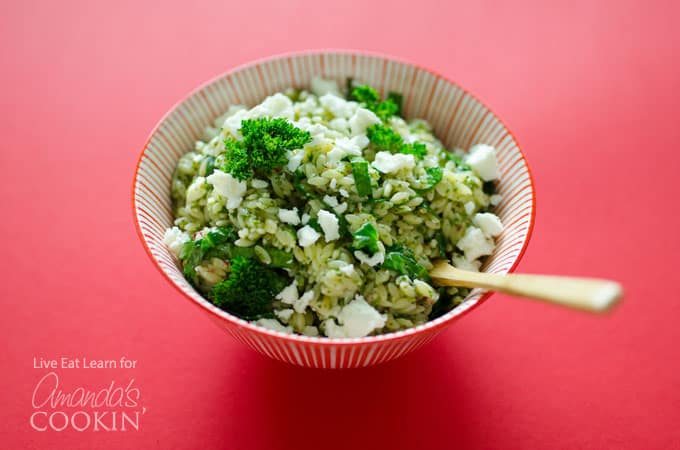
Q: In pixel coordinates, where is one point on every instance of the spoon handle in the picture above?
(585, 293)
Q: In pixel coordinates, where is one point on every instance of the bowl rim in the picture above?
(433, 326)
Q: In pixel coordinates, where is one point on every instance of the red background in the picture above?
(591, 90)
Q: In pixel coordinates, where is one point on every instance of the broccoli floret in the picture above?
(385, 138)
(249, 290)
(264, 146)
(370, 98)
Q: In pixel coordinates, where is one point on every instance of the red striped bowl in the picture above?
(459, 119)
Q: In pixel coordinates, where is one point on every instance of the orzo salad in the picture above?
(320, 212)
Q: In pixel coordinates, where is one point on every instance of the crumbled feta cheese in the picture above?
(320, 86)
(461, 263)
(289, 294)
(277, 105)
(330, 200)
(274, 325)
(294, 159)
(341, 208)
(339, 124)
(329, 224)
(174, 238)
(289, 216)
(233, 123)
(469, 208)
(495, 199)
(482, 159)
(339, 107)
(302, 303)
(343, 192)
(307, 236)
(362, 119)
(387, 162)
(305, 219)
(361, 141)
(343, 147)
(284, 314)
(333, 330)
(357, 319)
(475, 244)
(377, 258)
(229, 187)
(489, 223)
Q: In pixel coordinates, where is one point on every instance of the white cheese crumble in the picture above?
(294, 159)
(174, 238)
(277, 105)
(343, 147)
(377, 258)
(307, 236)
(475, 244)
(229, 187)
(302, 303)
(357, 319)
(362, 119)
(489, 223)
(273, 324)
(289, 294)
(387, 162)
(461, 263)
(495, 199)
(289, 216)
(321, 86)
(330, 200)
(329, 224)
(339, 107)
(284, 314)
(482, 159)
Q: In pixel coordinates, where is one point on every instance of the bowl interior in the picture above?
(458, 118)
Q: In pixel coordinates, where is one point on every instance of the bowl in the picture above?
(459, 120)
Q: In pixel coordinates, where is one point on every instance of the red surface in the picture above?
(589, 88)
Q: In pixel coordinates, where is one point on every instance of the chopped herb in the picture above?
(280, 258)
(362, 180)
(264, 146)
(441, 243)
(433, 176)
(401, 260)
(207, 166)
(366, 238)
(314, 223)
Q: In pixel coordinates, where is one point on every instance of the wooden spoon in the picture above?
(591, 294)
